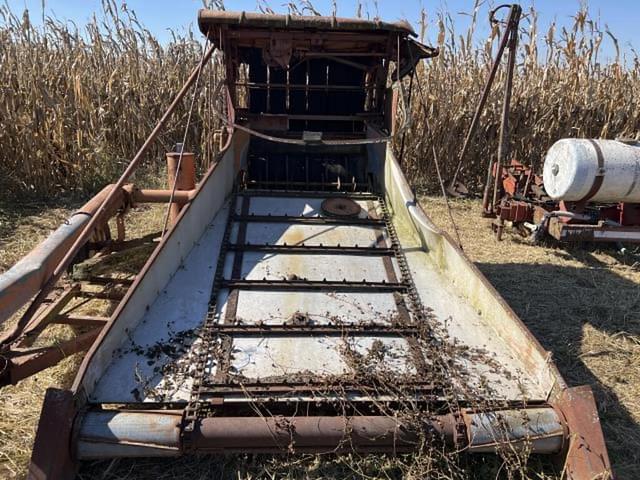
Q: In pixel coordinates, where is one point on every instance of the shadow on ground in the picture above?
(568, 309)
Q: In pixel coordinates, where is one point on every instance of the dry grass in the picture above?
(20, 231)
(582, 305)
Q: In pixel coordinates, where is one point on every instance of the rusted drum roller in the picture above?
(340, 207)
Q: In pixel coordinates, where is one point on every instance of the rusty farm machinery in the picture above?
(300, 294)
(589, 190)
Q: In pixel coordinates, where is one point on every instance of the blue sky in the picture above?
(158, 16)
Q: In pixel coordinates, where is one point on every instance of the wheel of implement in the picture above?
(340, 207)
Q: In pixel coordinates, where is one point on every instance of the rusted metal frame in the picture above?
(52, 456)
(248, 38)
(307, 194)
(112, 296)
(23, 363)
(312, 249)
(361, 116)
(81, 320)
(318, 286)
(344, 61)
(44, 318)
(319, 386)
(98, 217)
(503, 142)
(25, 279)
(52, 313)
(109, 280)
(332, 185)
(585, 454)
(293, 219)
(343, 54)
(481, 104)
(320, 329)
(119, 246)
(284, 86)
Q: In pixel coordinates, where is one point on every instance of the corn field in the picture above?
(76, 103)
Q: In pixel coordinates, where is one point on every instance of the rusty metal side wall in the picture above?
(163, 263)
(466, 279)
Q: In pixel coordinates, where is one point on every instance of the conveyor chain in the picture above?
(216, 335)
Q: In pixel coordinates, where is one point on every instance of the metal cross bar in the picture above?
(325, 329)
(307, 194)
(312, 249)
(314, 285)
(312, 386)
(306, 185)
(306, 220)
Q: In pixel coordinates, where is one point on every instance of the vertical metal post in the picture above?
(479, 109)
(185, 178)
(511, 34)
(503, 146)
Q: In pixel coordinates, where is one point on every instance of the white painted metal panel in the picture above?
(278, 234)
(293, 206)
(256, 266)
(261, 358)
(136, 370)
(165, 262)
(265, 358)
(183, 303)
(320, 307)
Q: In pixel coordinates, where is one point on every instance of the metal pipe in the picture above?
(181, 197)
(539, 429)
(181, 172)
(100, 214)
(114, 433)
(109, 434)
(314, 434)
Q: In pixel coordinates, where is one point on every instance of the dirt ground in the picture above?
(583, 304)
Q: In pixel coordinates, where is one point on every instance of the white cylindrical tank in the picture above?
(596, 170)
